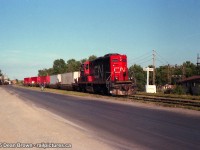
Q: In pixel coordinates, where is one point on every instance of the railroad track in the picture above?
(174, 101)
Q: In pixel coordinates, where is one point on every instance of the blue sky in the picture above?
(33, 33)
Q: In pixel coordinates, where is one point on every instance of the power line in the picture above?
(162, 57)
(140, 57)
(161, 61)
(144, 62)
(143, 59)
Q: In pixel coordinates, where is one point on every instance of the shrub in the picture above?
(179, 90)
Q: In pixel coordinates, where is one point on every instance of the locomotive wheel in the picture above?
(104, 90)
(96, 89)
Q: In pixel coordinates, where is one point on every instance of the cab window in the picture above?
(123, 60)
(87, 67)
(115, 60)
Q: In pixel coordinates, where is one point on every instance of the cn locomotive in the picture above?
(107, 74)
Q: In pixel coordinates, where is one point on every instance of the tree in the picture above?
(59, 66)
(73, 65)
(83, 60)
(190, 69)
(92, 57)
(136, 71)
(1, 73)
(161, 75)
(45, 72)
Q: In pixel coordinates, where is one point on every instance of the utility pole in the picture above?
(154, 67)
(198, 64)
(169, 74)
(184, 71)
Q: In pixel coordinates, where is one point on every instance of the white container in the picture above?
(69, 78)
(54, 79)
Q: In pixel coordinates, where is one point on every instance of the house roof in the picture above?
(190, 79)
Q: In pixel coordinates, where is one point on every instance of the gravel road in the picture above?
(21, 124)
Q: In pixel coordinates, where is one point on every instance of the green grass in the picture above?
(64, 92)
(191, 97)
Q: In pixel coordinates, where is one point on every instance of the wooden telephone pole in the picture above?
(169, 74)
(198, 65)
(154, 66)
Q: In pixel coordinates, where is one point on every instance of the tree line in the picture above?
(60, 66)
(164, 74)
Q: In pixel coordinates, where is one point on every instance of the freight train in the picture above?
(107, 74)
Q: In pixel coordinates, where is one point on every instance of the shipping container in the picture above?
(27, 81)
(69, 78)
(55, 79)
(34, 81)
(43, 79)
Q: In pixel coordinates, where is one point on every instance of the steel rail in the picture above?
(177, 101)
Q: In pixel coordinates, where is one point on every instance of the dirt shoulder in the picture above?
(21, 123)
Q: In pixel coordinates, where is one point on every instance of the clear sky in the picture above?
(33, 33)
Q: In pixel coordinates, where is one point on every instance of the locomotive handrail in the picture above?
(108, 77)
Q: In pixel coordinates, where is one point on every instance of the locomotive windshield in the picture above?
(87, 67)
(124, 60)
(115, 60)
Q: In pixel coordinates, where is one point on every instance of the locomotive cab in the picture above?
(86, 72)
(119, 83)
(118, 68)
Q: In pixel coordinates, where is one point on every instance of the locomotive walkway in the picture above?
(118, 124)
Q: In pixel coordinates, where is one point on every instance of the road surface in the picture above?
(122, 125)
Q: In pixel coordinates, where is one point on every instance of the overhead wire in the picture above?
(162, 62)
(161, 57)
(140, 57)
(143, 59)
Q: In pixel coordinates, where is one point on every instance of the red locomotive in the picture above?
(107, 74)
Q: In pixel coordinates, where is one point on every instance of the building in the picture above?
(1, 80)
(191, 85)
(4, 80)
